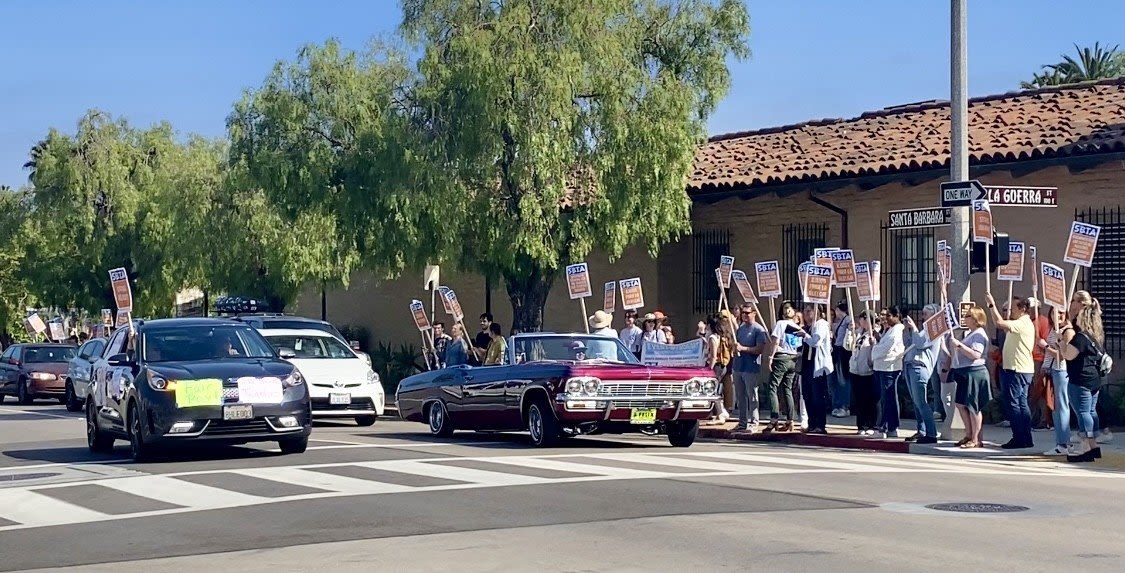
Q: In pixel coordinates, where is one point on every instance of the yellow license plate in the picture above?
(643, 416)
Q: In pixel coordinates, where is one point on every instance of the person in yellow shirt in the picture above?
(1017, 368)
(497, 348)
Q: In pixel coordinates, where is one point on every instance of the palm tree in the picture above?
(1095, 63)
(37, 153)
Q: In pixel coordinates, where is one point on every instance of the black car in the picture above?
(181, 380)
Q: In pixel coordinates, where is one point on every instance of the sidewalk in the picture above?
(842, 434)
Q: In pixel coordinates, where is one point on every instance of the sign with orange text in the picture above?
(843, 266)
(1054, 286)
(769, 278)
(449, 297)
(726, 266)
(578, 281)
(1013, 271)
(743, 285)
(609, 303)
(942, 322)
(818, 285)
(632, 297)
(863, 282)
(982, 222)
(1081, 244)
(122, 291)
(418, 311)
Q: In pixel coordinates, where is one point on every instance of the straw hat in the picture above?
(600, 319)
(649, 317)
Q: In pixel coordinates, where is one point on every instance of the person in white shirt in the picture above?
(816, 368)
(600, 323)
(782, 365)
(886, 357)
(631, 334)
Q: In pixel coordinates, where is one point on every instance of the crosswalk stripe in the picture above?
(691, 462)
(558, 465)
(180, 492)
(322, 480)
(35, 509)
(880, 461)
(483, 477)
(819, 464)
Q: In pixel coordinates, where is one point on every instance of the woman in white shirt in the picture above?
(782, 365)
(863, 377)
(974, 386)
(1055, 365)
(817, 367)
(886, 357)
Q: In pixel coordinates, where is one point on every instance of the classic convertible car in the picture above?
(559, 385)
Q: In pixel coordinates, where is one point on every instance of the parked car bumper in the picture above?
(56, 387)
(168, 423)
(620, 408)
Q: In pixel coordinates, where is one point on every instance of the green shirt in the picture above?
(496, 351)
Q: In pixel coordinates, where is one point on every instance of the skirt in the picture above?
(974, 388)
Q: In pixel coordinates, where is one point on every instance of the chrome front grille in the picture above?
(640, 404)
(610, 389)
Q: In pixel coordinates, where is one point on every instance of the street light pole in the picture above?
(959, 147)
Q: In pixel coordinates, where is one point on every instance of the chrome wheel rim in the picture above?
(437, 417)
(535, 424)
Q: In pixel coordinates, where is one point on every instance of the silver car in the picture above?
(79, 372)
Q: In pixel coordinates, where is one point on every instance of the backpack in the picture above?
(1103, 361)
(726, 351)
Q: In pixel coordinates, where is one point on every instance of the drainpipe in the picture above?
(841, 212)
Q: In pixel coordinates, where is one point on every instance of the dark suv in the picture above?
(194, 380)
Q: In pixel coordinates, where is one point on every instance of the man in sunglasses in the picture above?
(751, 339)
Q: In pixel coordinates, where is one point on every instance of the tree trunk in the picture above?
(528, 294)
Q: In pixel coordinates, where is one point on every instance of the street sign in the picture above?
(962, 193)
(930, 217)
(1007, 196)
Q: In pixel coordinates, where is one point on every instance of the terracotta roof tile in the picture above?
(1080, 119)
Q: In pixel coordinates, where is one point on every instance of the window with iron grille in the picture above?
(1105, 280)
(798, 244)
(909, 268)
(707, 247)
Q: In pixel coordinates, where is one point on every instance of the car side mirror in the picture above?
(120, 360)
(286, 353)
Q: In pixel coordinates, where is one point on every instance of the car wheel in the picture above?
(365, 420)
(440, 424)
(73, 404)
(542, 425)
(97, 441)
(142, 451)
(294, 446)
(682, 434)
(22, 394)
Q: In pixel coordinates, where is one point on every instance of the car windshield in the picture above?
(198, 343)
(310, 346)
(46, 354)
(573, 348)
(275, 324)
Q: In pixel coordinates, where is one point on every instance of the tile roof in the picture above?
(1080, 119)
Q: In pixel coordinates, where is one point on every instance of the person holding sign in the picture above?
(1017, 368)
(863, 376)
(782, 365)
(1054, 365)
(887, 359)
(969, 373)
(457, 351)
(843, 342)
(918, 364)
(816, 368)
(751, 339)
(1083, 351)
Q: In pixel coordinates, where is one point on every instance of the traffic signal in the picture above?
(997, 254)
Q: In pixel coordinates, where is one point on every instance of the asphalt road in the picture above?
(392, 497)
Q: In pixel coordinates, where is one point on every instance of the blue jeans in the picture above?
(841, 379)
(1085, 404)
(1014, 386)
(888, 386)
(918, 380)
(1062, 407)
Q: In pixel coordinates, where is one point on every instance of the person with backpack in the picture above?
(1087, 365)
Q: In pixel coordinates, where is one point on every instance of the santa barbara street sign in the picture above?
(929, 217)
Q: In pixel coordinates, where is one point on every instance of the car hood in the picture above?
(223, 369)
(56, 368)
(328, 370)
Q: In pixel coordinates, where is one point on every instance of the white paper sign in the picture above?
(259, 390)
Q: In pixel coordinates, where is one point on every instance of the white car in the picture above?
(341, 384)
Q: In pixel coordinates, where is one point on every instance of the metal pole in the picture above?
(959, 139)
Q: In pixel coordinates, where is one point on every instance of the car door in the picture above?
(483, 390)
(107, 389)
(82, 366)
(6, 368)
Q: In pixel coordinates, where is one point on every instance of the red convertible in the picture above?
(559, 385)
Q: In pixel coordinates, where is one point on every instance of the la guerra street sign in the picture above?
(908, 218)
(1006, 196)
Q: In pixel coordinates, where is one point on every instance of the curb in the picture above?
(841, 441)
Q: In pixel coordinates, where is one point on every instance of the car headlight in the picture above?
(41, 376)
(694, 387)
(294, 379)
(158, 382)
(372, 377)
(583, 385)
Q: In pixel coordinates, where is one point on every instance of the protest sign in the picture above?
(843, 266)
(743, 285)
(863, 282)
(58, 331)
(123, 319)
(982, 222)
(1081, 244)
(632, 297)
(803, 278)
(444, 301)
(1054, 286)
(122, 291)
(1013, 271)
(609, 303)
(107, 317)
(944, 264)
(418, 311)
(818, 285)
(683, 354)
(823, 258)
(769, 278)
(964, 309)
(876, 288)
(578, 281)
(1034, 272)
(942, 322)
(36, 323)
(450, 298)
(726, 266)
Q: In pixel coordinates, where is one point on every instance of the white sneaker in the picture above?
(869, 432)
(1057, 451)
(724, 416)
(844, 412)
(1105, 437)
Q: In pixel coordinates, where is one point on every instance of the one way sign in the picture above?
(962, 193)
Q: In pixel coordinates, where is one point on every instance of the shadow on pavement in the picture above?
(513, 440)
(183, 453)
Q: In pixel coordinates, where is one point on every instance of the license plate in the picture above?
(339, 398)
(643, 416)
(239, 412)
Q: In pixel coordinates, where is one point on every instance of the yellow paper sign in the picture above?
(205, 392)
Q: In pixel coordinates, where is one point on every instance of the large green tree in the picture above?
(529, 133)
(14, 292)
(1087, 64)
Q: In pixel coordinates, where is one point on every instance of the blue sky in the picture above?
(187, 62)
